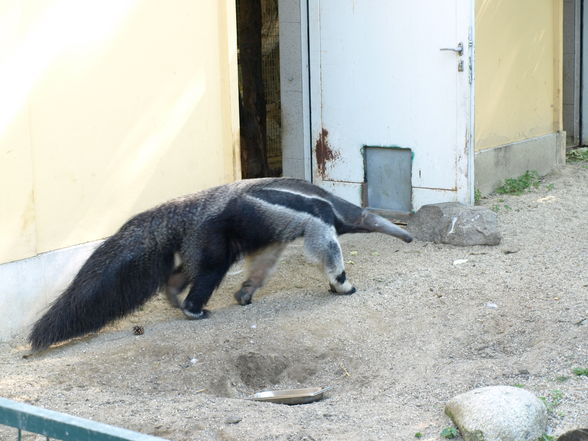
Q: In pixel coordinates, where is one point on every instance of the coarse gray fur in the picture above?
(192, 241)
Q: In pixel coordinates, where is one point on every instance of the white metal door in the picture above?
(379, 77)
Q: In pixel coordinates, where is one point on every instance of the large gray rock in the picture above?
(498, 413)
(455, 224)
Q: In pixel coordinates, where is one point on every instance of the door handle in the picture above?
(458, 50)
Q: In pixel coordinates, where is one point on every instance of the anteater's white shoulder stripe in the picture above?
(297, 193)
(304, 195)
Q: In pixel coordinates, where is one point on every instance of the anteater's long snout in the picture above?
(375, 223)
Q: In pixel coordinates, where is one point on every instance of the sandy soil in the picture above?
(418, 331)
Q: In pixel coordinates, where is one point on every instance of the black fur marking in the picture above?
(349, 214)
(341, 278)
(244, 229)
(314, 206)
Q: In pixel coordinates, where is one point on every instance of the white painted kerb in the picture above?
(28, 286)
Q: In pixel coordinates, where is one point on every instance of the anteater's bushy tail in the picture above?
(114, 281)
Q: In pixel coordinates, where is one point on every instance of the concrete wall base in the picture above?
(544, 154)
(30, 285)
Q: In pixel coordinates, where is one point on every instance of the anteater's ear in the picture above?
(378, 224)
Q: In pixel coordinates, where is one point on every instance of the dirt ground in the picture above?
(420, 329)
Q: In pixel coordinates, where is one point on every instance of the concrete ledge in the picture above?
(543, 154)
(30, 285)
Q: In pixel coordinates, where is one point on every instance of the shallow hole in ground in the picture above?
(246, 373)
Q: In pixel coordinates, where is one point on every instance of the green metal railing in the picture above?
(61, 426)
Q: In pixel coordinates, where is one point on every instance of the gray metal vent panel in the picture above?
(388, 173)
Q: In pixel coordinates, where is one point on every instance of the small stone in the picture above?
(233, 420)
(498, 413)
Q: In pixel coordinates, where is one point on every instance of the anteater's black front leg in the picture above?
(205, 266)
(202, 288)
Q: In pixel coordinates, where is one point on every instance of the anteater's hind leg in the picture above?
(205, 266)
(176, 283)
(322, 247)
(261, 266)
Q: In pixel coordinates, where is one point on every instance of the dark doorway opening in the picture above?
(259, 88)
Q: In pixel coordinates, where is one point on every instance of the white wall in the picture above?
(29, 285)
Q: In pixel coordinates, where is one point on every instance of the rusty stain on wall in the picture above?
(324, 153)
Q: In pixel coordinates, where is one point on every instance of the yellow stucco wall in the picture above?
(518, 70)
(108, 108)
